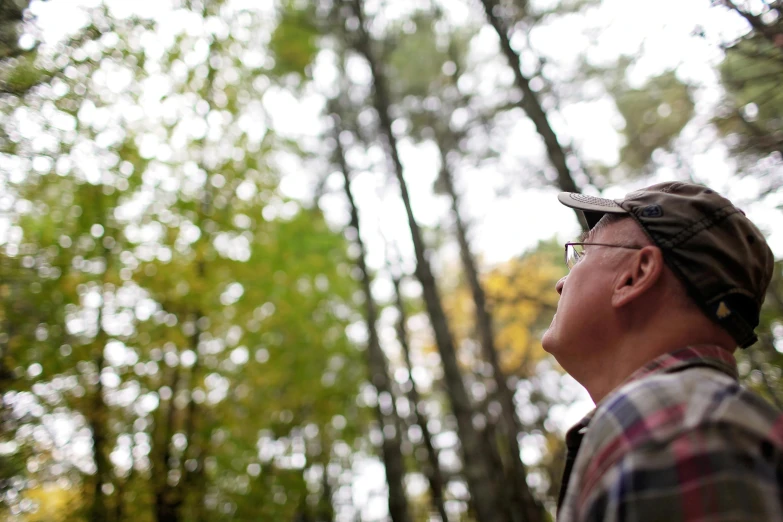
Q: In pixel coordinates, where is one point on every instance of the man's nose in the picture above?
(559, 285)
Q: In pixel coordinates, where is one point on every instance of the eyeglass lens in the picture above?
(573, 255)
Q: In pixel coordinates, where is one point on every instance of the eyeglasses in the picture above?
(574, 252)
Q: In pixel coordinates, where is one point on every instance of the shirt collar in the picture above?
(698, 355)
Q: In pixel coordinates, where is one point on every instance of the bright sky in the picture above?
(504, 226)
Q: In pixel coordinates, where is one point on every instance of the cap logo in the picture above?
(652, 211)
(723, 311)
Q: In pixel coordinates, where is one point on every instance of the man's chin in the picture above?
(548, 341)
(549, 337)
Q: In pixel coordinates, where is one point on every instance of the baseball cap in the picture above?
(716, 251)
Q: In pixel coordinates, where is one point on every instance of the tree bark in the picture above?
(432, 471)
(478, 472)
(523, 501)
(99, 510)
(166, 505)
(379, 376)
(532, 107)
(99, 415)
(123, 487)
(325, 508)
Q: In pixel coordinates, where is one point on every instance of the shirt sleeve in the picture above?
(710, 474)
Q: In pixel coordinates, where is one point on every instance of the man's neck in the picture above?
(600, 375)
(612, 372)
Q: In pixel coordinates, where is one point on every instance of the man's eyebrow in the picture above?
(584, 236)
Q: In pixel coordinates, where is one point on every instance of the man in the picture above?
(661, 290)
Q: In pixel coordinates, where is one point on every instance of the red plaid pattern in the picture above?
(680, 440)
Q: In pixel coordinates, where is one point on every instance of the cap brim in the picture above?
(593, 208)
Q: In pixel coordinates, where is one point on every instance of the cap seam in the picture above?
(745, 335)
(703, 224)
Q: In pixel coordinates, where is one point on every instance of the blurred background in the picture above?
(290, 260)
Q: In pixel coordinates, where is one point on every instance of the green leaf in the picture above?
(654, 114)
(294, 42)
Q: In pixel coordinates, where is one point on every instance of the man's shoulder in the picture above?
(666, 423)
(659, 407)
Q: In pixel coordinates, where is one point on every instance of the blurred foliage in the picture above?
(528, 14)
(171, 301)
(55, 503)
(174, 329)
(753, 110)
(294, 42)
(11, 17)
(761, 366)
(18, 70)
(522, 299)
(654, 115)
(416, 36)
(21, 74)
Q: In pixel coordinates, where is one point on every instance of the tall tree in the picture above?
(388, 419)
(97, 409)
(431, 123)
(432, 468)
(522, 501)
(485, 489)
(532, 106)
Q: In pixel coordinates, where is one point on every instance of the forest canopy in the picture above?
(292, 260)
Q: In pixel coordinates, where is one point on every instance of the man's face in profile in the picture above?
(584, 310)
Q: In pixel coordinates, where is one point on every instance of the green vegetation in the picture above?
(190, 326)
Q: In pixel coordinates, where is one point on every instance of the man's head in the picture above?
(694, 257)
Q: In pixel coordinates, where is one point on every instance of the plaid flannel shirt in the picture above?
(680, 440)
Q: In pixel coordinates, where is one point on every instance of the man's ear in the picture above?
(638, 276)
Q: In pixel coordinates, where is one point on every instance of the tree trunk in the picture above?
(166, 506)
(325, 508)
(532, 107)
(523, 501)
(194, 450)
(198, 480)
(123, 487)
(99, 510)
(99, 414)
(432, 470)
(7, 375)
(478, 473)
(170, 502)
(119, 506)
(379, 376)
